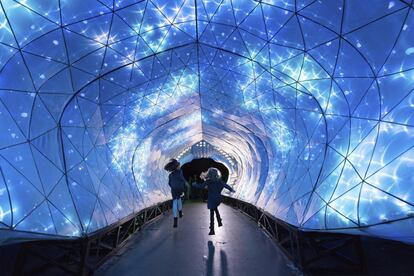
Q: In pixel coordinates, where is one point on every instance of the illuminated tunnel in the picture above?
(310, 105)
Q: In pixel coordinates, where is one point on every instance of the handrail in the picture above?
(80, 256)
(312, 252)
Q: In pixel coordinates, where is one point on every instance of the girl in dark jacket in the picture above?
(177, 182)
(214, 185)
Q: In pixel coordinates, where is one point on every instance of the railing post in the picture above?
(85, 248)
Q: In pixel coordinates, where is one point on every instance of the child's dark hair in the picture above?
(172, 165)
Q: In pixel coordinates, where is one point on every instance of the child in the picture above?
(177, 183)
(215, 185)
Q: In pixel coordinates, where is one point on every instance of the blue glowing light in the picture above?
(310, 104)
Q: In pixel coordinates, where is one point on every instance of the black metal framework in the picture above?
(312, 252)
(76, 257)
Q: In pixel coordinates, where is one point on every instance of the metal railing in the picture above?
(80, 256)
(312, 252)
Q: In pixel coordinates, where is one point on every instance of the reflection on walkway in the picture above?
(210, 261)
(210, 258)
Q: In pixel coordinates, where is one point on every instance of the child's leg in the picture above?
(218, 217)
(211, 218)
(180, 207)
(180, 204)
(211, 222)
(175, 208)
(175, 212)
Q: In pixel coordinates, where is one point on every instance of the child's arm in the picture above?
(199, 185)
(228, 187)
(203, 184)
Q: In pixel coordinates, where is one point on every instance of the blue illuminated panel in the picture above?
(312, 101)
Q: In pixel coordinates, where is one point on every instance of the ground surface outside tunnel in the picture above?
(238, 248)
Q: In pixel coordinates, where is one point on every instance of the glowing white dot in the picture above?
(409, 51)
(55, 42)
(24, 114)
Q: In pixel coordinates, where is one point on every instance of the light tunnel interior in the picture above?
(306, 103)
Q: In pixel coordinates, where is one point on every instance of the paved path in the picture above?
(238, 248)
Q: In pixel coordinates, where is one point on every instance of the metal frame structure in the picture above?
(80, 256)
(312, 252)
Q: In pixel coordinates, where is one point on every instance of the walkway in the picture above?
(238, 248)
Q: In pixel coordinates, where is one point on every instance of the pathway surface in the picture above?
(238, 248)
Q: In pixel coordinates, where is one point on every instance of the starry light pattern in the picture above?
(312, 102)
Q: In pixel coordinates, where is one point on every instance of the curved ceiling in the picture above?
(313, 100)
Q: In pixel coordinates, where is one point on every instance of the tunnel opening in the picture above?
(193, 169)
